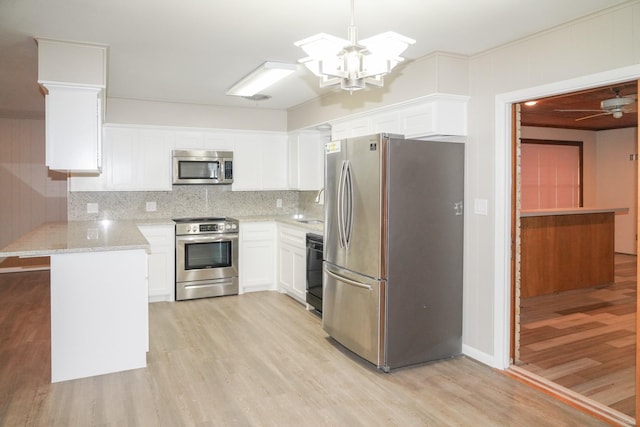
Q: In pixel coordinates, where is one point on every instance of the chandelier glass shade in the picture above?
(353, 64)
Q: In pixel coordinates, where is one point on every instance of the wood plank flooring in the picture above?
(584, 340)
(257, 359)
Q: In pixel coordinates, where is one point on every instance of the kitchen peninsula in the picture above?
(565, 249)
(99, 307)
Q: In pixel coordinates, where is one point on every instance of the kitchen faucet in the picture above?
(317, 199)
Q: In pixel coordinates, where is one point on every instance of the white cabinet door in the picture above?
(292, 261)
(351, 128)
(247, 163)
(153, 163)
(306, 160)
(134, 160)
(138, 159)
(160, 261)
(257, 256)
(274, 162)
(73, 128)
(260, 162)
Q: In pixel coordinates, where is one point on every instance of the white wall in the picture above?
(29, 193)
(131, 111)
(617, 182)
(564, 59)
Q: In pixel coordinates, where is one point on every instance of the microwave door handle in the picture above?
(214, 168)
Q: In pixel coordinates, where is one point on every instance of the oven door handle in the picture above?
(207, 238)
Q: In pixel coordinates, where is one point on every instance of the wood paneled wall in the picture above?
(30, 194)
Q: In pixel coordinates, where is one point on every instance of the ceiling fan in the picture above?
(615, 106)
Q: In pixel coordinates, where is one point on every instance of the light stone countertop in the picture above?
(77, 236)
(285, 219)
(570, 211)
(108, 235)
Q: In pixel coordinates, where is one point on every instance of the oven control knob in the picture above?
(234, 226)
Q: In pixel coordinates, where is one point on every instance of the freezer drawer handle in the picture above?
(349, 282)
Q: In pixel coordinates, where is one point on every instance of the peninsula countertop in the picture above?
(570, 211)
(77, 236)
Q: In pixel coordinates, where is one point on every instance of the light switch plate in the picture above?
(92, 208)
(151, 206)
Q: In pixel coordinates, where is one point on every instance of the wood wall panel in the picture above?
(30, 194)
(564, 252)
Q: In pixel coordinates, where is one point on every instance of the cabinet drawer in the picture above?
(292, 236)
(257, 231)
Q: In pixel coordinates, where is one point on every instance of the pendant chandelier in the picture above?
(353, 64)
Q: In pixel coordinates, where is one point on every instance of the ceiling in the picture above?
(192, 51)
(545, 112)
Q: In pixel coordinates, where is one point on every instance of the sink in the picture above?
(310, 221)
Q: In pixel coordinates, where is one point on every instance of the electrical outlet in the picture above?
(278, 203)
(151, 206)
(92, 208)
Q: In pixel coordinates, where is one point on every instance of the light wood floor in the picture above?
(257, 359)
(584, 340)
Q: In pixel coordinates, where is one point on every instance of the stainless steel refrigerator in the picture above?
(392, 267)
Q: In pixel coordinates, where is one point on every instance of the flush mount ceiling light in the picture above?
(351, 64)
(260, 78)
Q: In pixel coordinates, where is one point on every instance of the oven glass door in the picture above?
(206, 257)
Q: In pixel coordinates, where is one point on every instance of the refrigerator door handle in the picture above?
(348, 281)
(349, 199)
(340, 206)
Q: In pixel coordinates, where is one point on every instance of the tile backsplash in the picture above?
(191, 201)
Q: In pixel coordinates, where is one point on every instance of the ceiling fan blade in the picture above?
(593, 115)
(577, 111)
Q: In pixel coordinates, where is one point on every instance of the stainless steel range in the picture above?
(206, 257)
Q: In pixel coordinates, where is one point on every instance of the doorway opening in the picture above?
(582, 339)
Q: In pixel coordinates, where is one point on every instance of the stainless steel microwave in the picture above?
(202, 167)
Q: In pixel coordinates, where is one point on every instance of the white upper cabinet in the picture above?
(438, 116)
(134, 160)
(138, 159)
(260, 161)
(73, 128)
(306, 160)
(74, 78)
(274, 162)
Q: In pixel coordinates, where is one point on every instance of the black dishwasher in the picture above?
(314, 271)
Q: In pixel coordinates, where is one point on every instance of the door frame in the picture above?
(504, 125)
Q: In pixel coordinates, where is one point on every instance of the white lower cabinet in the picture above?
(292, 262)
(257, 256)
(160, 261)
